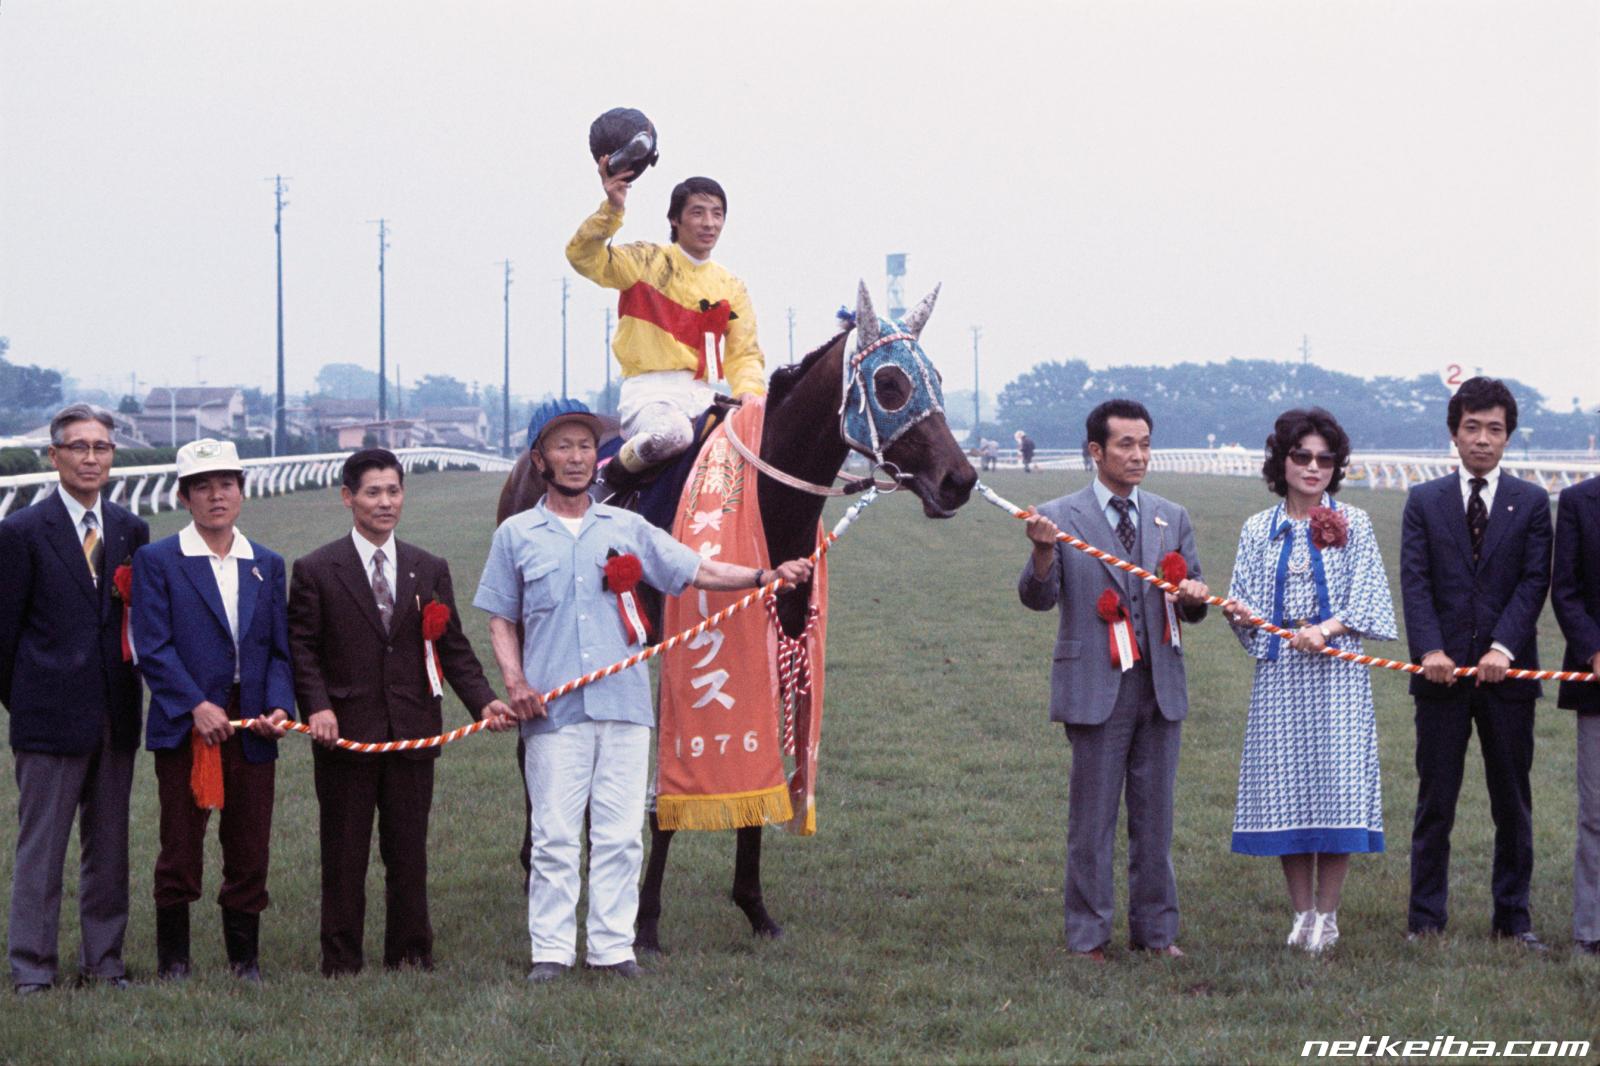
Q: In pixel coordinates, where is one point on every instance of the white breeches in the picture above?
(658, 410)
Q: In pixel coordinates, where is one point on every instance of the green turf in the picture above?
(924, 918)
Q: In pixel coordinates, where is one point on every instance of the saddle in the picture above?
(653, 493)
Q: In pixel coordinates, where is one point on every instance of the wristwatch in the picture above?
(1322, 627)
(759, 575)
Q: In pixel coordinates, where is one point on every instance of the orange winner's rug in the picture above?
(723, 734)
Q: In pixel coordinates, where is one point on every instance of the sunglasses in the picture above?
(1303, 457)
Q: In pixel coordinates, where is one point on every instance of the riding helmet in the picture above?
(628, 137)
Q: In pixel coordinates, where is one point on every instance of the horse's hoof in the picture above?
(768, 930)
(646, 941)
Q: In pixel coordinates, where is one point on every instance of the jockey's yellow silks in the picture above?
(669, 303)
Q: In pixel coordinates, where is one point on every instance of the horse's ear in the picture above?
(866, 318)
(919, 314)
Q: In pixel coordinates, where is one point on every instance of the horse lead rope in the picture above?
(1261, 623)
(770, 589)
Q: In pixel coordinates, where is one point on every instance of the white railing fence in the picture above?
(149, 489)
(1375, 470)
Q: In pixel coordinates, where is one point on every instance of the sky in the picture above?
(1400, 185)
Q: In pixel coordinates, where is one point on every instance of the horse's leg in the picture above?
(747, 883)
(647, 932)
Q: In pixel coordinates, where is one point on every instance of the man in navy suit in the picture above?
(211, 624)
(74, 703)
(1575, 593)
(1474, 570)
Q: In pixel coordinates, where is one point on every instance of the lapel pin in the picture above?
(256, 570)
(1162, 522)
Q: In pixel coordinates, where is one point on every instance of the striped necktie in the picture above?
(91, 545)
(381, 590)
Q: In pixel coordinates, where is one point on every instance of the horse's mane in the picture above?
(784, 378)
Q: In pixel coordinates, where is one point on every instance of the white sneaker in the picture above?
(1324, 933)
(1300, 933)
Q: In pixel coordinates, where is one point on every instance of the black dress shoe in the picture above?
(1586, 947)
(545, 972)
(1433, 932)
(1527, 938)
(31, 989)
(625, 968)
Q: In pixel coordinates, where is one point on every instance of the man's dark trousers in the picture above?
(1505, 734)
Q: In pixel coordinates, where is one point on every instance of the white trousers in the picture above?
(602, 766)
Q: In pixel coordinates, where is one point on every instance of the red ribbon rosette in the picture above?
(122, 589)
(623, 574)
(1174, 571)
(1329, 528)
(1119, 633)
(435, 622)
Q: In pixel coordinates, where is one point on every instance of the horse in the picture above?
(883, 403)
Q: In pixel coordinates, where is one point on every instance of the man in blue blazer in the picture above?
(74, 704)
(1575, 594)
(211, 624)
(1474, 570)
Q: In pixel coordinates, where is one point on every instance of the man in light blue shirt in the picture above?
(590, 748)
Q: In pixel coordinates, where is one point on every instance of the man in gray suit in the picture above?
(1117, 681)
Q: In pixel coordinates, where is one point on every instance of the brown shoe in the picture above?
(1095, 955)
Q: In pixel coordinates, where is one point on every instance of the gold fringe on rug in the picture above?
(731, 810)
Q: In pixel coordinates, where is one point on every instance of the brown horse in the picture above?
(804, 437)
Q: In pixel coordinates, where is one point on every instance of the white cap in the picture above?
(206, 456)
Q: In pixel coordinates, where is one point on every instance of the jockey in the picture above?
(685, 322)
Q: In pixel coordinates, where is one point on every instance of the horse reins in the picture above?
(849, 488)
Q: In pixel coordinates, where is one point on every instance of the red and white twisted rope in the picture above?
(1261, 623)
(771, 588)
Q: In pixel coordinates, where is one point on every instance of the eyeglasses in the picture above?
(81, 449)
(1303, 457)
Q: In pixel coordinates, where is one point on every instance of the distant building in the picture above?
(125, 435)
(459, 427)
(394, 433)
(177, 416)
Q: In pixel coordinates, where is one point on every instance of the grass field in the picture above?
(924, 919)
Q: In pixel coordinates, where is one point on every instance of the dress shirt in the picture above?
(1104, 496)
(76, 511)
(542, 576)
(225, 568)
(1493, 479)
(1487, 495)
(366, 549)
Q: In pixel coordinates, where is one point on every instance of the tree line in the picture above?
(1235, 403)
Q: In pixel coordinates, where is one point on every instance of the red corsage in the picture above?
(1329, 528)
(1124, 646)
(623, 574)
(122, 589)
(1174, 568)
(435, 623)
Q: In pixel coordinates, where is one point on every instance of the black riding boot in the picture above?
(172, 942)
(241, 935)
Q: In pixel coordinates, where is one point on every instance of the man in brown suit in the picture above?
(356, 633)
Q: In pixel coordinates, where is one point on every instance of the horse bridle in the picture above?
(854, 378)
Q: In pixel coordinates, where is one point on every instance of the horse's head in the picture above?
(893, 408)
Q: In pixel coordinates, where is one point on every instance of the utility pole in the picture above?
(977, 331)
(383, 369)
(505, 380)
(399, 397)
(564, 286)
(1305, 349)
(280, 438)
(791, 334)
(606, 355)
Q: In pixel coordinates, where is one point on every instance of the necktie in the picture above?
(1125, 530)
(381, 590)
(1477, 515)
(91, 545)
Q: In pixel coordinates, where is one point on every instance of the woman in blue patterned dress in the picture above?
(1309, 788)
